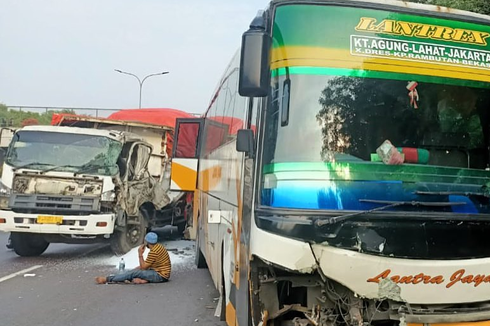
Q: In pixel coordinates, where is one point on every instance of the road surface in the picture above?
(58, 289)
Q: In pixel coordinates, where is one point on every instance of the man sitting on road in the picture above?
(155, 269)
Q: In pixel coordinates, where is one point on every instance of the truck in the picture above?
(356, 190)
(107, 181)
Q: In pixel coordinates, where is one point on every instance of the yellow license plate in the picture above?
(48, 219)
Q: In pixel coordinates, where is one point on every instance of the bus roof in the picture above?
(456, 13)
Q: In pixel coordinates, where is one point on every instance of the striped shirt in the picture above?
(159, 260)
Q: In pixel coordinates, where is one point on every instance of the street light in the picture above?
(139, 80)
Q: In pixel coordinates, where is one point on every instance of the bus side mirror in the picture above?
(245, 141)
(254, 80)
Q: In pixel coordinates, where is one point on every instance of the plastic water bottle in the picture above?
(122, 265)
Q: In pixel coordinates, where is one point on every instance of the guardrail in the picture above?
(95, 112)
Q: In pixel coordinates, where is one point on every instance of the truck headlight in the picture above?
(4, 202)
(108, 196)
(4, 190)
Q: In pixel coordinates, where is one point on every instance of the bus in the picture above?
(341, 171)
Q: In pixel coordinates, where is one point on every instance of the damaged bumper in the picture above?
(306, 282)
(407, 280)
(475, 317)
(91, 224)
(301, 282)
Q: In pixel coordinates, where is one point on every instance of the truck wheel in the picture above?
(199, 257)
(181, 228)
(131, 236)
(27, 244)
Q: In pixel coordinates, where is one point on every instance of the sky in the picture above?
(62, 53)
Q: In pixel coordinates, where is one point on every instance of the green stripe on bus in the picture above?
(375, 74)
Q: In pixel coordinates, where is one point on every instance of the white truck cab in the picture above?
(72, 185)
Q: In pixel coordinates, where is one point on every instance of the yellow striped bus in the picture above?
(341, 171)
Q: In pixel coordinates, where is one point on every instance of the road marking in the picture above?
(8, 277)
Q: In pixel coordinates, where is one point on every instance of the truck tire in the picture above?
(199, 257)
(181, 228)
(28, 244)
(122, 241)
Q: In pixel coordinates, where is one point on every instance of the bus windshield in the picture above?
(355, 84)
(322, 135)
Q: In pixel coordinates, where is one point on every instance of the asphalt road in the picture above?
(59, 290)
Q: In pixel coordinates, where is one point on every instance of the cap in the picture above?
(151, 238)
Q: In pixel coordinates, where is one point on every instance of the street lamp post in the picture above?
(139, 80)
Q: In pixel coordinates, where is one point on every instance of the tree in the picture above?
(478, 6)
(17, 118)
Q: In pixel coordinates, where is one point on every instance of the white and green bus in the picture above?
(301, 213)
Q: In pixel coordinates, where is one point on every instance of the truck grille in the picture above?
(53, 203)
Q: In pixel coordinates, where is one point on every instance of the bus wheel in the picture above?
(199, 257)
(27, 244)
(130, 236)
(222, 316)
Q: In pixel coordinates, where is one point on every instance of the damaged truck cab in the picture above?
(343, 168)
(76, 185)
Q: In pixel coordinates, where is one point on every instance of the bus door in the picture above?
(185, 162)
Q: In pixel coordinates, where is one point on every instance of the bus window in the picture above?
(215, 135)
(187, 140)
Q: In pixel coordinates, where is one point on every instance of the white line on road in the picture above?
(8, 277)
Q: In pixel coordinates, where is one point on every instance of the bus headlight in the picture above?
(108, 196)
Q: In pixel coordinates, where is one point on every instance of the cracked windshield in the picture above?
(337, 136)
(396, 133)
(64, 152)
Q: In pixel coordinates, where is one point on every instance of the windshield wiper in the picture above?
(29, 165)
(456, 193)
(91, 166)
(59, 166)
(81, 168)
(388, 204)
(413, 203)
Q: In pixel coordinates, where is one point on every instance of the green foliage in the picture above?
(15, 117)
(479, 6)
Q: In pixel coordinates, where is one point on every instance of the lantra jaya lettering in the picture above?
(423, 31)
(459, 276)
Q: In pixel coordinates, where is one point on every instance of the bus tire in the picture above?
(28, 244)
(199, 257)
(222, 315)
(130, 236)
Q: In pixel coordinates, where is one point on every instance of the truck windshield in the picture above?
(64, 152)
(322, 133)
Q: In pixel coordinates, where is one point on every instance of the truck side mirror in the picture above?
(254, 80)
(245, 142)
